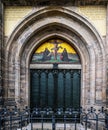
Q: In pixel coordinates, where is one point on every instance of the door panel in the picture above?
(68, 90)
(60, 91)
(50, 90)
(55, 88)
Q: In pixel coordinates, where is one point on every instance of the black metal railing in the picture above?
(53, 119)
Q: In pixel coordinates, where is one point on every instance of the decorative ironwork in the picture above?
(38, 119)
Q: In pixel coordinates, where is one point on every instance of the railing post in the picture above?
(21, 122)
(64, 122)
(86, 122)
(31, 118)
(42, 116)
(96, 122)
(10, 120)
(53, 123)
(106, 121)
(75, 122)
(0, 121)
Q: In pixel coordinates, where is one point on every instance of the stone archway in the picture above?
(73, 28)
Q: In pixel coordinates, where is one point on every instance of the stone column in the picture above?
(1, 53)
(107, 54)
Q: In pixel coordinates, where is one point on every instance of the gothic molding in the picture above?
(71, 27)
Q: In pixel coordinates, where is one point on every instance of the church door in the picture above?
(55, 75)
(55, 88)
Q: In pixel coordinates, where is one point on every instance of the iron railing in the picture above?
(53, 119)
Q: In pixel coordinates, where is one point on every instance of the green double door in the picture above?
(55, 88)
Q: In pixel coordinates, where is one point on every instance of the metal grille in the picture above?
(49, 119)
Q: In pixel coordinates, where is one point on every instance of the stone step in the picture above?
(59, 126)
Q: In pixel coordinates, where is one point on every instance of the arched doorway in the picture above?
(53, 80)
(65, 24)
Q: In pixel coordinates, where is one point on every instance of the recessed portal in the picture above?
(56, 86)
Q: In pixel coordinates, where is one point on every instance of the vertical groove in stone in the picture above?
(107, 55)
(1, 57)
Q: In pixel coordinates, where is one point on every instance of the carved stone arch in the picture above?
(69, 26)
